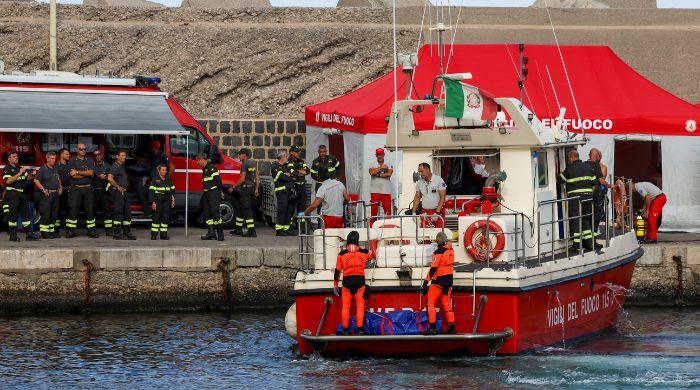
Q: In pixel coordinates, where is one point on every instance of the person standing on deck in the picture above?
(601, 188)
(63, 172)
(654, 201)
(121, 216)
(211, 198)
(580, 179)
(440, 278)
(161, 196)
(48, 182)
(331, 197)
(248, 186)
(99, 186)
(299, 170)
(283, 183)
(351, 264)
(380, 185)
(81, 169)
(431, 191)
(16, 178)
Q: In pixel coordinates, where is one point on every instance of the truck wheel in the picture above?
(227, 209)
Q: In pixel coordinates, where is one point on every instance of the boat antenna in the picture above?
(522, 71)
(566, 72)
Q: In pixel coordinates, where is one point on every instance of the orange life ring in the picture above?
(477, 250)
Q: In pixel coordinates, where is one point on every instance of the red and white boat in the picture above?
(516, 287)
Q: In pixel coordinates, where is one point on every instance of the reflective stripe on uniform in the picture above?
(580, 191)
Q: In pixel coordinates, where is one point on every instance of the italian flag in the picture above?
(467, 102)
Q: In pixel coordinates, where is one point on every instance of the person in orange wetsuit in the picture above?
(440, 279)
(351, 263)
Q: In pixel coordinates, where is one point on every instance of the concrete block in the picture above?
(131, 258)
(652, 255)
(249, 257)
(91, 255)
(9, 259)
(669, 251)
(693, 253)
(274, 257)
(37, 259)
(187, 258)
(222, 253)
(292, 258)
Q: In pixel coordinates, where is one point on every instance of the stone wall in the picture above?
(264, 137)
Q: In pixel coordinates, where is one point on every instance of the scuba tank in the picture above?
(640, 227)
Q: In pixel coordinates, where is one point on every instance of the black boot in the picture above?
(236, 232)
(360, 331)
(219, 233)
(13, 234)
(210, 234)
(164, 236)
(108, 232)
(451, 329)
(154, 235)
(345, 332)
(31, 236)
(70, 233)
(92, 233)
(432, 330)
(127, 233)
(250, 233)
(46, 236)
(117, 234)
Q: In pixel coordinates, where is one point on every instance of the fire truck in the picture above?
(45, 111)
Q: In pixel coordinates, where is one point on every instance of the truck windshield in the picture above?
(197, 144)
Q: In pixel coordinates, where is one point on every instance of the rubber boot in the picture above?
(117, 234)
(13, 234)
(210, 234)
(108, 232)
(219, 233)
(236, 232)
(451, 329)
(70, 233)
(127, 233)
(432, 330)
(92, 233)
(250, 233)
(55, 234)
(46, 236)
(164, 236)
(154, 235)
(31, 236)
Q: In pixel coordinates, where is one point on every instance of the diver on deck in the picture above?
(440, 279)
(351, 263)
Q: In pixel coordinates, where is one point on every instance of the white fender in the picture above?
(290, 321)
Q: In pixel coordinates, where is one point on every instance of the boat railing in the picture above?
(518, 233)
(307, 251)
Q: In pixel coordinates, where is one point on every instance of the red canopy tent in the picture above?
(607, 98)
(604, 87)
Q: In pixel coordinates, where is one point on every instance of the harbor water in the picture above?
(652, 348)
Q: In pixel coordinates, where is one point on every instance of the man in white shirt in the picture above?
(479, 166)
(380, 184)
(430, 192)
(330, 196)
(654, 201)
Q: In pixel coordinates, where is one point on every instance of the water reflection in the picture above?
(251, 350)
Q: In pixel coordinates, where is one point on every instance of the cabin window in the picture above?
(121, 141)
(540, 160)
(465, 172)
(197, 144)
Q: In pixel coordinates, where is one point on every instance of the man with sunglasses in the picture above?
(99, 185)
(81, 196)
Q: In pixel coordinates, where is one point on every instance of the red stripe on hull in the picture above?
(538, 318)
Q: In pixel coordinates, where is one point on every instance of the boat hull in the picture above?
(537, 317)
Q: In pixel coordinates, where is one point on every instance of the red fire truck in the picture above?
(47, 111)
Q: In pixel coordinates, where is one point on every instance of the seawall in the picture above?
(194, 278)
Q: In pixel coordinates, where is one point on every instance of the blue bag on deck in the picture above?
(403, 322)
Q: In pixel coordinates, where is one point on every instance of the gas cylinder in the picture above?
(640, 227)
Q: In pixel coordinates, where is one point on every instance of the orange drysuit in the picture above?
(440, 278)
(351, 263)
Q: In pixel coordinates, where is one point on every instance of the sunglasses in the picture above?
(82, 149)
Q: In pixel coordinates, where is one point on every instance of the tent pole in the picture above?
(394, 113)
(187, 182)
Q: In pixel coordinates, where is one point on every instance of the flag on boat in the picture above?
(468, 102)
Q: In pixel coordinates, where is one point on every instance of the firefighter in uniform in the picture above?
(211, 199)
(440, 278)
(283, 183)
(299, 171)
(81, 170)
(99, 186)
(121, 216)
(161, 197)
(327, 161)
(351, 263)
(48, 183)
(248, 189)
(16, 178)
(580, 179)
(64, 174)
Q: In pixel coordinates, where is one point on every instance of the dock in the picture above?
(187, 273)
